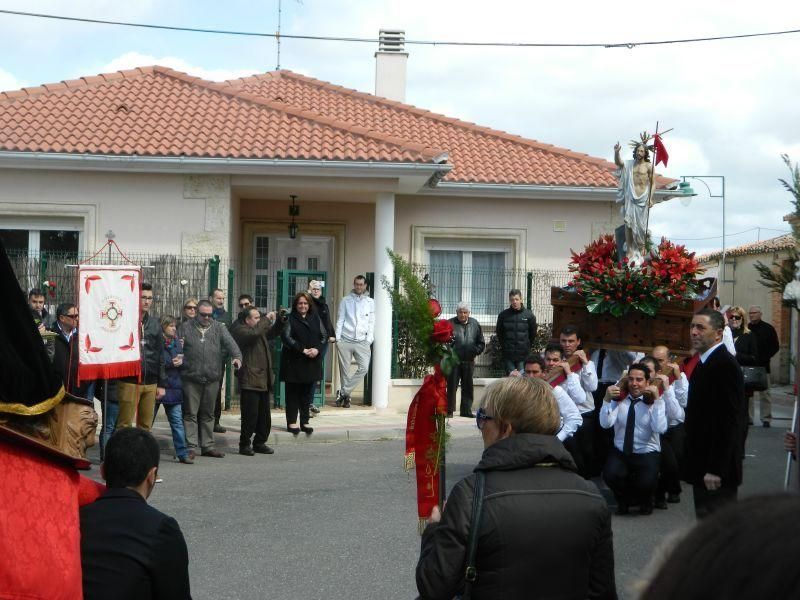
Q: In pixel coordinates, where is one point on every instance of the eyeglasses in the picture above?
(481, 417)
(190, 307)
(72, 316)
(204, 315)
(736, 318)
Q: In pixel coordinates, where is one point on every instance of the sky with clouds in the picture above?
(732, 104)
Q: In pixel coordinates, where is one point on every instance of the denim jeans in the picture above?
(175, 418)
(513, 365)
(110, 412)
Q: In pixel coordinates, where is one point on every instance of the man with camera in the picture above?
(252, 333)
(638, 417)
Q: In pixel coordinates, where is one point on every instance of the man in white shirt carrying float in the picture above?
(638, 418)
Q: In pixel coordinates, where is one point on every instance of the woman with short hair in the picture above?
(544, 531)
(172, 358)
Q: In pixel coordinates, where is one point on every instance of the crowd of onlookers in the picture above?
(183, 362)
(642, 422)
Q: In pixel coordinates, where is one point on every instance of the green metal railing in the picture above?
(486, 291)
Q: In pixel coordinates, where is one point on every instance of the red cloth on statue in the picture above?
(39, 523)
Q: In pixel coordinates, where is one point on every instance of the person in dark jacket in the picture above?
(321, 307)
(768, 346)
(130, 550)
(516, 332)
(536, 511)
(743, 339)
(468, 343)
(301, 360)
(713, 463)
(252, 333)
(172, 358)
(137, 396)
(746, 355)
(217, 299)
(65, 343)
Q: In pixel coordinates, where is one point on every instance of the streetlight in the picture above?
(701, 179)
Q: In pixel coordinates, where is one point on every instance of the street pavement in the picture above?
(337, 518)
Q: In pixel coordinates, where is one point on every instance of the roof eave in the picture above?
(416, 174)
(533, 192)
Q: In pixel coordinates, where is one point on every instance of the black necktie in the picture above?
(600, 360)
(627, 444)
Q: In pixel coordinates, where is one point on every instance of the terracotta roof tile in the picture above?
(776, 244)
(480, 154)
(157, 111)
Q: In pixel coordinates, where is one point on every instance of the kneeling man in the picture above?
(638, 418)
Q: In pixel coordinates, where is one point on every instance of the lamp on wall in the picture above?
(294, 211)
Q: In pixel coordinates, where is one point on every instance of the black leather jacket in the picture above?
(468, 339)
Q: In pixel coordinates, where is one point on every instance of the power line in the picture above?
(719, 237)
(278, 36)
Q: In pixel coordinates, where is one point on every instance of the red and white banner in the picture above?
(109, 331)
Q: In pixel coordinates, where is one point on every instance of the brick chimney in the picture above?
(390, 65)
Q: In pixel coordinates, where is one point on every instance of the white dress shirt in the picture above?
(704, 356)
(681, 388)
(650, 422)
(588, 379)
(672, 407)
(614, 363)
(570, 415)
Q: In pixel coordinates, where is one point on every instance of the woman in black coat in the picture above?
(328, 334)
(545, 532)
(301, 360)
(743, 338)
(746, 355)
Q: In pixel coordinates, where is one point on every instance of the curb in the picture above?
(229, 442)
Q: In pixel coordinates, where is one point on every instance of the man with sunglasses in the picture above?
(768, 345)
(205, 342)
(65, 355)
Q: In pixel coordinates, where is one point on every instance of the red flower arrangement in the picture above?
(666, 275)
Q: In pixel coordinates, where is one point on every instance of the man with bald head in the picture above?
(768, 346)
(672, 442)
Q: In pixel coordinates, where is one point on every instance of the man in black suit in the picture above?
(714, 414)
(130, 550)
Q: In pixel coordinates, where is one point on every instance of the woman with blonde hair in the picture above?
(535, 511)
(189, 309)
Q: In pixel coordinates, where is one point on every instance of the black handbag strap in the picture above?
(471, 572)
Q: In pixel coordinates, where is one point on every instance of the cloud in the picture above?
(10, 82)
(130, 60)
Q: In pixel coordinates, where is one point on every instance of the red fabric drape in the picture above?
(423, 440)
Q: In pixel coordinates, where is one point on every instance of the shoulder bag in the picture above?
(755, 379)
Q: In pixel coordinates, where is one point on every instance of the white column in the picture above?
(382, 347)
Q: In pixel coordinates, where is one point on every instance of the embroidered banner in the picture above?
(109, 332)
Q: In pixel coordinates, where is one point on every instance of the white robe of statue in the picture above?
(634, 210)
